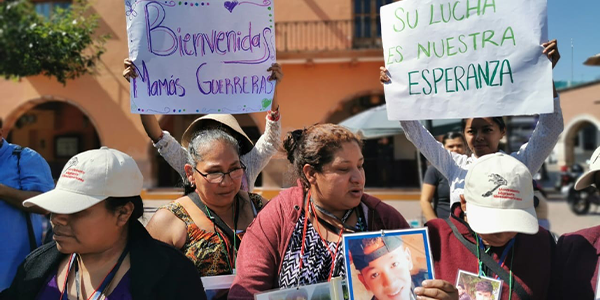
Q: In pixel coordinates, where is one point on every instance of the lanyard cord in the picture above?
(224, 243)
(304, 230)
(103, 285)
(510, 247)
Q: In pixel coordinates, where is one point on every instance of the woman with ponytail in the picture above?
(296, 239)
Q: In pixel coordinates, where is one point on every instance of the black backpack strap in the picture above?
(32, 243)
(490, 263)
(215, 218)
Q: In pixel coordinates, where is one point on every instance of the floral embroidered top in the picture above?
(204, 248)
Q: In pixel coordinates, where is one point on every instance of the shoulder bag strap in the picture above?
(214, 217)
(489, 262)
(32, 243)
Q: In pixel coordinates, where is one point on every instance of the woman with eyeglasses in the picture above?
(207, 225)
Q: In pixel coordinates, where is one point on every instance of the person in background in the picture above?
(435, 186)
(296, 238)
(254, 157)
(101, 251)
(577, 258)
(23, 174)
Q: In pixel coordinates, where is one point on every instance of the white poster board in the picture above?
(466, 58)
(201, 57)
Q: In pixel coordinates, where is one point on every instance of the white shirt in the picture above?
(255, 160)
(455, 166)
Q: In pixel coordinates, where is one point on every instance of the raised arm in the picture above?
(268, 143)
(549, 127)
(434, 151)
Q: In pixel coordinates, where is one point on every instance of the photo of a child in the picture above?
(388, 265)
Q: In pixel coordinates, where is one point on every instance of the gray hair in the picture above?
(204, 140)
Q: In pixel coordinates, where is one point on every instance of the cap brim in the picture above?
(494, 220)
(585, 180)
(63, 202)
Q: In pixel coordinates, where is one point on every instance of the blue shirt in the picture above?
(14, 239)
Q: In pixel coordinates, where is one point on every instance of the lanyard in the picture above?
(230, 236)
(501, 261)
(310, 207)
(103, 285)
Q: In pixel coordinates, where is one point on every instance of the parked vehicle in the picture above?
(580, 201)
(567, 178)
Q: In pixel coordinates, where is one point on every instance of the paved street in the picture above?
(562, 220)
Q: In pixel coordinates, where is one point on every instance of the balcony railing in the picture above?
(321, 36)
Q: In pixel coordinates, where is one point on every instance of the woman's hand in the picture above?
(277, 75)
(129, 71)
(384, 76)
(436, 290)
(276, 72)
(551, 50)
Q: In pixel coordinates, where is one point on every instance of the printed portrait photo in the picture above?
(472, 287)
(320, 291)
(387, 265)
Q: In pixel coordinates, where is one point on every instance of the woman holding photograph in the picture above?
(483, 136)
(296, 239)
(498, 239)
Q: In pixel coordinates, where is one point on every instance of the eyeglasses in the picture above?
(218, 177)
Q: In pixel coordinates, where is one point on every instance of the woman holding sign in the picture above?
(483, 136)
(296, 239)
(255, 157)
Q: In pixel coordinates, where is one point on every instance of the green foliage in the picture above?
(63, 46)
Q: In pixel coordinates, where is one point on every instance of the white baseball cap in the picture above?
(588, 177)
(89, 178)
(499, 195)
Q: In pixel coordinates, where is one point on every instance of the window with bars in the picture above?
(367, 23)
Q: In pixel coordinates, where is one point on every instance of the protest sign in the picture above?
(466, 58)
(201, 57)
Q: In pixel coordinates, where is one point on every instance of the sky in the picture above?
(578, 20)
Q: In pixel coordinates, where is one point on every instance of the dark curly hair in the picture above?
(316, 146)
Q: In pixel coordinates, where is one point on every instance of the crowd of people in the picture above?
(483, 220)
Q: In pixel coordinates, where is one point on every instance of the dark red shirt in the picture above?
(577, 263)
(531, 264)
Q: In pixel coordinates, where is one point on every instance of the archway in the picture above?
(163, 174)
(56, 129)
(582, 137)
(389, 161)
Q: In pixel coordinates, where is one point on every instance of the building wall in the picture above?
(580, 105)
(310, 92)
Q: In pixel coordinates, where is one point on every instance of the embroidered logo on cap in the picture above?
(498, 181)
(71, 172)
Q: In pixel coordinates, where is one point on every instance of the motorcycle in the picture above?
(580, 201)
(567, 178)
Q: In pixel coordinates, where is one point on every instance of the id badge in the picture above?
(473, 286)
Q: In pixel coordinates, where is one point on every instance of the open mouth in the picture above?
(356, 192)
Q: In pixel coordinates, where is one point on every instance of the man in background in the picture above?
(23, 174)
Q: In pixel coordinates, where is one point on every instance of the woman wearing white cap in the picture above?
(102, 251)
(254, 157)
(493, 232)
